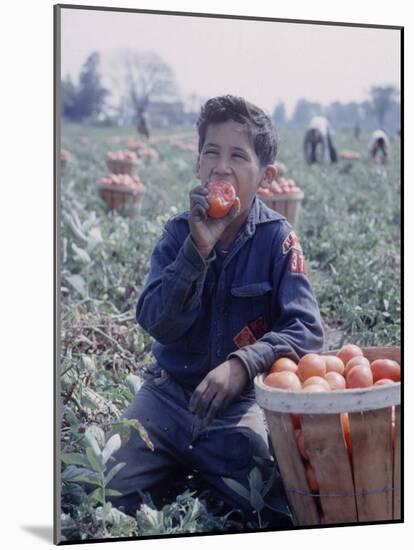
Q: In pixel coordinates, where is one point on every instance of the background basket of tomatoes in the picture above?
(122, 192)
(283, 196)
(121, 162)
(338, 450)
(65, 158)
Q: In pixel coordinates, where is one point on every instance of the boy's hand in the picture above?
(204, 230)
(218, 389)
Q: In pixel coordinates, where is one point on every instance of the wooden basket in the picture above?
(121, 166)
(361, 488)
(126, 200)
(287, 204)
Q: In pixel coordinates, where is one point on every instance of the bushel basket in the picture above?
(356, 484)
(287, 204)
(125, 200)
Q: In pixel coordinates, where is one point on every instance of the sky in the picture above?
(266, 62)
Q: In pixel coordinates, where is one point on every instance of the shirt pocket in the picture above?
(249, 302)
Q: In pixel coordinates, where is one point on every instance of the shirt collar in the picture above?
(260, 213)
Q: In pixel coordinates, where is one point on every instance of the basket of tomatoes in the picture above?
(65, 158)
(283, 196)
(121, 162)
(122, 192)
(334, 422)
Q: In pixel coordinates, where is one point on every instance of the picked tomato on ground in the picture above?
(221, 197)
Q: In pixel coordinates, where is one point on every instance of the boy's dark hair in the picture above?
(258, 124)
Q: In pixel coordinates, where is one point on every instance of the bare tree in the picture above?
(141, 77)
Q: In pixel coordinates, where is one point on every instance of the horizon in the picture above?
(288, 61)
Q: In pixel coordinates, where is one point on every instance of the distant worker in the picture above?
(317, 138)
(143, 124)
(379, 146)
(357, 132)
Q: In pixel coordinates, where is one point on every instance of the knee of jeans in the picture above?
(233, 455)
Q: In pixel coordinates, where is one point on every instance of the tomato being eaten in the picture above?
(221, 197)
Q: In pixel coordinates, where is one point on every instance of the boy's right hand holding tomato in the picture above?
(209, 217)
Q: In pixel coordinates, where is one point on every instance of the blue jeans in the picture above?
(224, 447)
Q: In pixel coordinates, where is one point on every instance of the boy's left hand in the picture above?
(218, 389)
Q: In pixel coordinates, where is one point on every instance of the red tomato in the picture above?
(383, 382)
(295, 421)
(346, 430)
(317, 380)
(357, 360)
(385, 368)
(263, 191)
(315, 388)
(310, 474)
(311, 364)
(274, 187)
(300, 441)
(335, 380)
(283, 380)
(283, 364)
(359, 376)
(334, 364)
(348, 351)
(221, 197)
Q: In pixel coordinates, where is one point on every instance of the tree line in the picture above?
(139, 78)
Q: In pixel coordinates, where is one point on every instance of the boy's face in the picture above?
(228, 154)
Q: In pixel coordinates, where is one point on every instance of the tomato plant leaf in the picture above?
(75, 458)
(94, 461)
(237, 487)
(113, 471)
(256, 499)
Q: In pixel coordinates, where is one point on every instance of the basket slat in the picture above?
(126, 200)
(121, 166)
(328, 455)
(372, 463)
(287, 205)
(397, 467)
(292, 468)
(391, 352)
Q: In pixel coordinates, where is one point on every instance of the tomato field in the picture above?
(349, 228)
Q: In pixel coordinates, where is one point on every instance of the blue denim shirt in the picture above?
(255, 303)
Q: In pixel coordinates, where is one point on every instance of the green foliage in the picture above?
(261, 493)
(90, 468)
(350, 231)
(185, 515)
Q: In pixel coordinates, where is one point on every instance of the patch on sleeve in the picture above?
(244, 338)
(291, 241)
(297, 263)
(258, 327)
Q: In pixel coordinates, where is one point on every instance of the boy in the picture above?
(225, 297)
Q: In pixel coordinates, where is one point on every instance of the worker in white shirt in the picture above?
(318, 138)
(379, 146)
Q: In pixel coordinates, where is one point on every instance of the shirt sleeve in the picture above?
(297, 328)
(171, 299)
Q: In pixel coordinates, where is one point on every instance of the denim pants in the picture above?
(224, 447)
